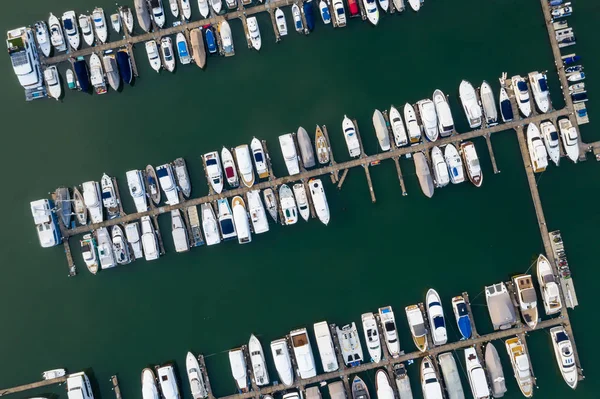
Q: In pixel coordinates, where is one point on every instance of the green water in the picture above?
(210, 299)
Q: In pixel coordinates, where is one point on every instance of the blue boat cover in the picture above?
(325, 13)
(211, 161)
(162, 172)
(506, 110)
(83, 76)
(522, 85)
(308, 14)
(226, 226)
(182, 49)
(464, 325)
(68, 24)
(124, 66)
(572, 60)
(438, 322)
(258, 157)
(210, 41)
(543, 84)
(106, 195)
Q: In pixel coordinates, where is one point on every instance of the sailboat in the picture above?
(321, 146)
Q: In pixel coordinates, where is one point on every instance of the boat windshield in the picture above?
(106, 195)
(340, 11)
(462, 309)
(390, 327)
(210, 162)
(561, 337)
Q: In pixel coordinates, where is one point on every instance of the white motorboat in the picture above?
(527, 299)
(166, 49)
(429, 119)
(303, 352)
(551, 140)
(490, 111)
(430, 384)
(521, 90)
(326, 348)
(149, 387)
(105, 249)
(350, 136)
(182, 177)
(209, 225)
(417, 327)
(537, 150)
(305, 146)
(290, 156)
(283, 362)
(350, 346)
(520, 363)
(415, 4)
(214, 173)
(149, 239)
(414, 130)
(372, 338)
(381, 130)
(270, 202)
(186, 9)
(240, 218)
(455, 165)
(228, 231)
(260, 161)
(203, 8)
(92, 201)
(324, 11)
(167, 183)
(42, 37)
(79, 387)
(226, 38)
(174, 6)
(301, 200)
(495, 371)
(120, 246)
(439, 166)
(88, 252)
(179, 232)
(451, 376)
(69, 21)
(238, 369)
(258, 216)
(195, 377)
(476, 374)
(127, 18)
(398, 129)
(109, 196)
(57, 38)
(168, 382)
(257, 360)
(471, 162)
(229, 168)
(505, 106)
(382, 385)
(500, 306)
(100, 24)
(435, 313)
(402, 379)
(444, 115)
(216, 5)
(153, 55)
(297, 18)
(424, 174)
(539, 87)
(548, 286)
(372, 11)
(134, 238)
(470, 104)
(565, 357)
(183, 50)
(339, 13)
(158, 12)
(288, 205)
(254, 32)
(319, 199)
(244, 163)
(390, 333)
(281, 22)
(112, 70)
(115, 20)
(570, 139)
(576, 77)
(53, 82)
(143, 14)
(97, 74)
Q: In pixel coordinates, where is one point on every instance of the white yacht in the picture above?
(398, 129)
(537, 150)
(79, 207)
(430, 384)
(214, 172)
(471, 162)
(429, 119)
(69, 21)
(79, 387)
(174, 6)
(153, 55)
(290, 156)
(417, 327)
(551, 140)
(240, 218)
(451, 376)
(100, 24)
(153, 184)
(25, 62)
(88, 252)
(209, 225)
(149, 239)
(258, 216)
(105, 249)
(381, 130)
(97, 74)
(260, 161)
(203, 7)
(488, 103)
(415, 4)
(500, 306)
(414, 130)
(167, 183)
(158, 12)
(134, 238)
(270, 202)
(183, 50)
(476, 374)
(382, 385)
(565, 357)
(301, 200)
(42, 37)
(230, 169)
(548, 286)
(226, 38)
(127, 18)
(303, 353)
(226, 222)
(257, 360)
(520, 363)
(372, 11)
(168, 382)
(179, 232)
(539, 87)
(92, 200)
(195, 377)
(339, 13)
(112, 70)
(470, 104)
(435, 313)
(46, 223)
(244, 163)
(350, 136)
(238, 369)
(283, 362)
(402, 381)
(296, 15)
(149, 388)
(519, 86)
(254, 32)
(527, 298)
(455, 166)
(350, 346)
(444, 115)
(440, 168)
(57, 37)
(137, 189)
(388, 322)
(53, 82)
(326, 348)
(372, 338)
(570, 139)
(281, 22)
(120, 246)
(288, 205)
(166, 49)
(317, 194)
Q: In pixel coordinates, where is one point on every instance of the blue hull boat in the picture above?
(309, 15)
(211, 43)
(554, 3)
(571, 60)
(83, 74)
(125, 69)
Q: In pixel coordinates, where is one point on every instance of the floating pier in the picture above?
(33, 385)
(115, 382)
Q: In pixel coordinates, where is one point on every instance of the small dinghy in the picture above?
(120, 246)
(270, 202)
(153, 186)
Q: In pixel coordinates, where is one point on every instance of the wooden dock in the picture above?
(115, 383)
(33, 385)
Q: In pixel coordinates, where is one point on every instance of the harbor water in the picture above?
(209, 300)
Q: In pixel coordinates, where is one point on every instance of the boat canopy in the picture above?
(462, 309)
(522, 85)
(68, 23)
(543, 84)
(182, 48)
(506, 109)
(162, 172)
(227, 227)
(81, 70)
(438, 322)
(258, 157)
